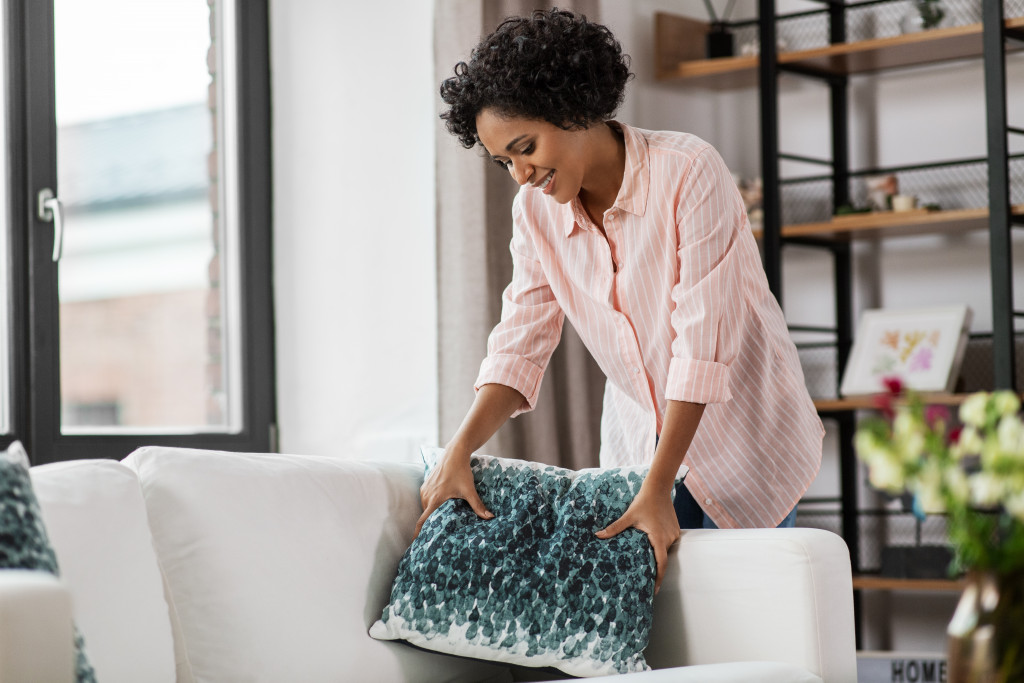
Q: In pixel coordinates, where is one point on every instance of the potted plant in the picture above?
(923, 15)
(972, 472)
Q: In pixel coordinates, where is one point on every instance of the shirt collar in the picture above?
(636, 179)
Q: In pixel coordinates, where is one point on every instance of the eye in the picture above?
(529, 149)
(505, 165)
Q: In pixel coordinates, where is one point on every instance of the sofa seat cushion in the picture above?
(534, 586)
(277, 565)
(96, 518)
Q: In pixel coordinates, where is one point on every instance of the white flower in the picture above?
(986, 489)
(1006, 403)
(970, 443)
(957, 484)
(1015, 505)
(887, 475)
(906, 423)
(868, 447)
(930, 500)
(1011, 434)
(910, 447)
(929, 488)
(972, 411)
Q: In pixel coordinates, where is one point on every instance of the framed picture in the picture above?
(924, 347)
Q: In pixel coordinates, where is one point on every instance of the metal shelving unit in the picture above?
(678, 42)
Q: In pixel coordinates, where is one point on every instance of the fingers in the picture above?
(474, 500)
(615, 528)
(478, 506)
(660, 542)
(427, 511)
(419, 525)
(660, 560)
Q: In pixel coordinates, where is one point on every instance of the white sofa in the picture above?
(196, 566)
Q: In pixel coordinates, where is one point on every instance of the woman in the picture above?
(642, 240)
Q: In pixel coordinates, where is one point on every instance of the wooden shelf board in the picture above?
(864, 582)
(879, 54)
(831, 405)
(721, 73)
(865, 56)
(893, 224)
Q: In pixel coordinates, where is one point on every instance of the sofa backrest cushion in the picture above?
(277, 565)
(96, 519)
(734, 595)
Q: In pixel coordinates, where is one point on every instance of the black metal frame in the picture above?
(17, 240)
(1001, 252)
(768, 78)
(842, 262)
(32, 165)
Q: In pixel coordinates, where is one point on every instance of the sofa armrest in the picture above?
(781, 595)
(36, 633)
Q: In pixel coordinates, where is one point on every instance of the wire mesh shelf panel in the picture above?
(880, 529)
(951, 185)
(864, 21)
(819, 365)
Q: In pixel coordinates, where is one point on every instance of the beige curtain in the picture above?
(474, 227)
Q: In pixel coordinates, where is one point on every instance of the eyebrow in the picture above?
(509, 146)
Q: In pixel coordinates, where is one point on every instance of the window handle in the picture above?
(52, 211)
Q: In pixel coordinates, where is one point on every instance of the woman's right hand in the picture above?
(453, 478)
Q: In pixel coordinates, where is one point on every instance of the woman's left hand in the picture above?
(654, 515)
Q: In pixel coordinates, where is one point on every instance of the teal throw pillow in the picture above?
(534, 586)
(24, 543)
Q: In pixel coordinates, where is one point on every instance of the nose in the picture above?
(521, 171)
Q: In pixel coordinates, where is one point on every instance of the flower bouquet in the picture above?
(973, 473)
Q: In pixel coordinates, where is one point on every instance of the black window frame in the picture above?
(34, 395)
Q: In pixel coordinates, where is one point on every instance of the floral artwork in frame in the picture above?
(924, 347)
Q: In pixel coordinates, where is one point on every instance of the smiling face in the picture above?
(537, 152)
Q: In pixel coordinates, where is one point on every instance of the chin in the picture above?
(561, 198)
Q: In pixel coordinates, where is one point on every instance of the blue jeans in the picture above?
(691, 516)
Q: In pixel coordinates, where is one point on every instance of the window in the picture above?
(138, 225)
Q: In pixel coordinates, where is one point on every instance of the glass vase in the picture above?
(923, 15)
(986, 633)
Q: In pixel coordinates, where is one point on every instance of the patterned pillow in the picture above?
(23, 540)
(534, 586)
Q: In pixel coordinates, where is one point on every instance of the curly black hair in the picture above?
(553, 66)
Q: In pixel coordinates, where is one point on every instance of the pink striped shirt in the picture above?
(674, 305)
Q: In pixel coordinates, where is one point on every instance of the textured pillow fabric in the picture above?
(534, 586)
(23, 540)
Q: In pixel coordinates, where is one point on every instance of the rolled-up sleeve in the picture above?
(520, 345)
(708, 216)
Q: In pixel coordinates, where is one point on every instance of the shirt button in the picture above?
(707, 501)
(636, 371)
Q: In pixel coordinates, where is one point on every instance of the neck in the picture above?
(604, 174)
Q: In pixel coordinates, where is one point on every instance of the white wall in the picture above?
(354, 215)
(913, 116)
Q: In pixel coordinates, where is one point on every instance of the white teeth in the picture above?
(546, 180)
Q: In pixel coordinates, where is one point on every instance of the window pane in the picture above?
(143, 277)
